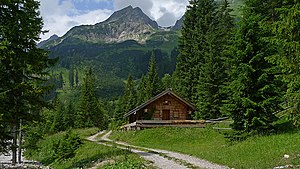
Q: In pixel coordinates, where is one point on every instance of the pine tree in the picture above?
(129, 97)
(254, 91)
(153, 84)
(90, 113)
(141, 91)
(286, 37)
(201, 68)
(60, 81)
(71, 78)
(76, 78)
(128, 101)
(23, 65)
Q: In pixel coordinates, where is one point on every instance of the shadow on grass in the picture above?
(285, 127)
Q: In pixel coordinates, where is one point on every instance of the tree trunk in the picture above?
(14, 145)
(20, 143)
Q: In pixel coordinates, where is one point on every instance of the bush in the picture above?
(66, 147)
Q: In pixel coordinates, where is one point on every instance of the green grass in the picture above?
(87, 155)
(259, 152)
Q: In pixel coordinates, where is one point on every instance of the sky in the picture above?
(59, 16)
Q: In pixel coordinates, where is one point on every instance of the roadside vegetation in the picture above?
(77, 152)
(256, 152)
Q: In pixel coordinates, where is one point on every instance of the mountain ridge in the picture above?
(126, 24)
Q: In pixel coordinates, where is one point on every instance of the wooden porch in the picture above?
(141, 124)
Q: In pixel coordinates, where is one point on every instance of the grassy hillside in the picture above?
(259, 152)
(87, 155)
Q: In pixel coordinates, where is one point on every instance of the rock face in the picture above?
(127, 24)
(178, 25)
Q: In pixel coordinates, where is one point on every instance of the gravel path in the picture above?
(162, 161)
(158, 161)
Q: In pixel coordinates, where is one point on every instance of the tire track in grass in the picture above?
(157, 160)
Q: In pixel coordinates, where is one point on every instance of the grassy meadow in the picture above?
(256, 152)
(88, 154)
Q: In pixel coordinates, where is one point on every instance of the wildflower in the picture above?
(286, 156)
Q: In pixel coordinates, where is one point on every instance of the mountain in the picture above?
(115, 48)
(127, 24)
(178, 24)
(42, 43)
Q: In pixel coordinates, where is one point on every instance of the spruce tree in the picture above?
(60, 81)
(129, 97)
(153, 84)
(150, 84)
(23, 65)
(76, 78)
(71, 78)
(90, 113)
(141, 90)
(201, 68)
(286, 37)
(254, 91)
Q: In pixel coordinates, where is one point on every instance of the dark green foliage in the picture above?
(150, 84)
(286, 36)
(58, 149)
(141, 90)
(200, 72)
(23, 65)
(60, 83)
(153, 84)
(113, 63)
(90, 111)
(66, 147)
(76, 78)
(71, 78)
(255, 92)
(34, 132)
(125, 103)
(167, 82)
(129, 98)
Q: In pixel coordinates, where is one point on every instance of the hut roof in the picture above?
(166, 92)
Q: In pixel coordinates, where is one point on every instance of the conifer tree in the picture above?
(23, 65)
(150, 84)
(76, 78)
(71, 78)
(153, 84)
(200, 68)
(141, 90)
(129, 97)
(286, 37)
(90, 113)
(255, 91)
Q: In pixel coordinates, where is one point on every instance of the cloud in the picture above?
(60, 16)
(165, 12)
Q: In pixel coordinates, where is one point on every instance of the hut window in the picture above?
(166, 102)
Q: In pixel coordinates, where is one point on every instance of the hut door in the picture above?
(166, 115)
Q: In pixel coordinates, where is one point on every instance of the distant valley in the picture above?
(117, 47)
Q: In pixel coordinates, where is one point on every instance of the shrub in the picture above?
(66, 147)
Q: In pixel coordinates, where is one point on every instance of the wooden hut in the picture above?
(166, 106)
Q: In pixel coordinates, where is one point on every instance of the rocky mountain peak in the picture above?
(126, 24)
(130, 14)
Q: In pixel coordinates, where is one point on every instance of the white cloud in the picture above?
(59, 17)
(165, 12)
